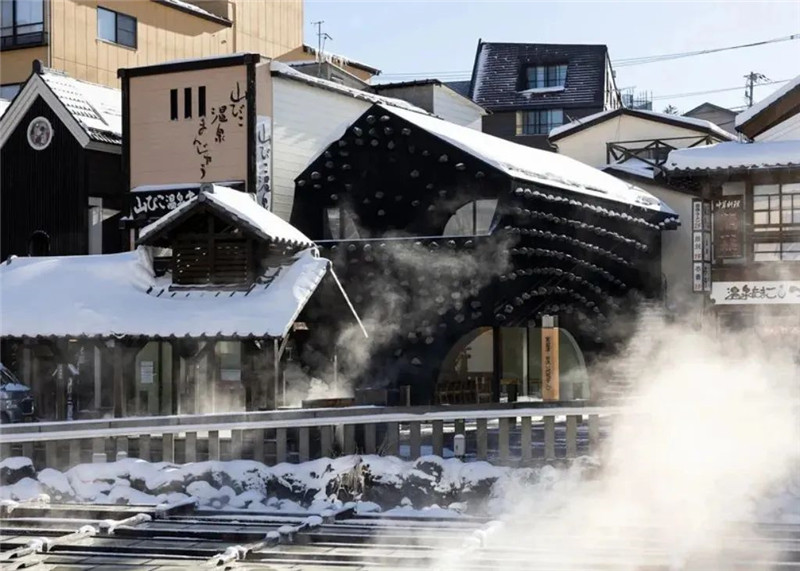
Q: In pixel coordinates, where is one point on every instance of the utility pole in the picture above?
(753, 79)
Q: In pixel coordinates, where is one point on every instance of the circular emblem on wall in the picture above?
(40, 133)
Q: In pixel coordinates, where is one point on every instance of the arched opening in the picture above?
(473, 219)
(39, 243)
(503, 363)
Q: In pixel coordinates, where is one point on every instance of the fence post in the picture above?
(349, 439)
(415, 449)
(98, 450)
(391, 442)
(483, 439)
(280, 445)
(549, 438)
(168, 447)
(326, 441)
(190, 447)
(594, 433)
(144, 447)
(213, 445)
(74, 452)
(438, 437)
(304, 444)
(258, 445)
(370, 439)
(572, 436)
(503, 439)
(51, 454)
(236, 444)
(525, 439)
(122, 447)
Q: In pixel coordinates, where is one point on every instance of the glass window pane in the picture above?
(791, 188)
(760, 218)
(786, 217)
(766, 257)
(557, 117)
(766, 247)
(796, 217)
(126, 38)
(774, 202)
(766, 189)
(30, 12)
(774, 217)
(760, 203)
(106, 25)
(6, 14)
(484, 215)
(791, 251)
(126, 23)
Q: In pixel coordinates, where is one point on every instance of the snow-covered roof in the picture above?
(239, 205)
(96, 107)
(633, 166)
(751, 112)
(282, 70)
(678, 120)
(118, 294)
(339, 58)
(533, 165)
(734, 155)
(3, 106)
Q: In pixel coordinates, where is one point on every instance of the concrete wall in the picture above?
(305, 121)
(589, 145)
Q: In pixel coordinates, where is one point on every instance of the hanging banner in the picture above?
(701, 245)
(550, 378)
(729, 227)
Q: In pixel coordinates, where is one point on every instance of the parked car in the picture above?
(16, 400)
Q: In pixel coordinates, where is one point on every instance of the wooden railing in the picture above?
(518, 433)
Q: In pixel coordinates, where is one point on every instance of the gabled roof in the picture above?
(238, 207)
(771, 110)
(732, 156)
(533, 165)
(91, 112)
(700, 125)
(342, 60)
(499, 68)
(118, 294)
(710, 107)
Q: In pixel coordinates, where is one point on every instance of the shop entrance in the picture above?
(491, 364)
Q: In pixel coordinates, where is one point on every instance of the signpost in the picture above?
(550, 365)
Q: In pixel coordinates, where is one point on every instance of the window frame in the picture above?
(545, 75)
(116, 40)
(39, 36)
(524, 124)
(775, 240)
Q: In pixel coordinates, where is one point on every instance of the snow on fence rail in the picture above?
(520, 432)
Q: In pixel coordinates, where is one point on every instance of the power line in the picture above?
(692, 94)
(665, 57)
(625, 62)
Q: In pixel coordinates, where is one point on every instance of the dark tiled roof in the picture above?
(460, 87)
(499, 68)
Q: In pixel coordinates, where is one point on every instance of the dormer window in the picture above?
(542, 76)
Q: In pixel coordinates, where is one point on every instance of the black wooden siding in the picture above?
(48, 190)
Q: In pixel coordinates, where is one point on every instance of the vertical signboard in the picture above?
(701, 245)
(264, 183)
(550, 378)
(729, 227)
(264, 161)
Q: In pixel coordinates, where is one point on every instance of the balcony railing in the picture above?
(654, 152)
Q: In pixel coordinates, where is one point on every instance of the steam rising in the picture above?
(711, 430)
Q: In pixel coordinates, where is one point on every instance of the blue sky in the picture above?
(421, 37)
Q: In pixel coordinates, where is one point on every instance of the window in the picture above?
(187, 102)
(21, 23)
(776, 222)
(173, 104)
(9, 91)
(115, 27)
(539, 122)
(201, 101)
(340, 225)
(473, 219)
(539, 76)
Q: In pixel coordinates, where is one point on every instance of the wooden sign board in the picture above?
(550, 379)
(729, 227)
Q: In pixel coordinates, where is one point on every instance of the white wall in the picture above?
(306, 120)
(676, 252)
(589, 145)
(452, 107)
(784, 131)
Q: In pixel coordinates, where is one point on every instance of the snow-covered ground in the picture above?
(430, 486)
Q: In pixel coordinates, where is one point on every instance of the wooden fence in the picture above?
(519, 433)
